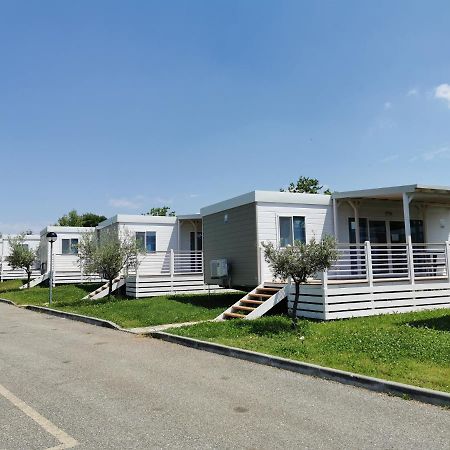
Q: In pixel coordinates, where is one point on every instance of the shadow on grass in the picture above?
(438, 323)
(206, 301)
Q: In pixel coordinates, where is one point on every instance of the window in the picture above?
(146, 240)
(69, 246)
(291, 229)
(363, 232)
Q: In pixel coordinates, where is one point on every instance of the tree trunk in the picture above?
(295, 305)
(110, 289)
(28, 280)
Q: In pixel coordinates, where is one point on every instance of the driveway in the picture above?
(65, 384)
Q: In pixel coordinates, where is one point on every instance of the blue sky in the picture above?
(115, 107)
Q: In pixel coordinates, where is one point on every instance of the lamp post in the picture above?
(51, 237)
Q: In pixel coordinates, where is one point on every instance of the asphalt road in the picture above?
(64, 384)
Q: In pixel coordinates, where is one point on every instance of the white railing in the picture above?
(170, 263)
(372, 262)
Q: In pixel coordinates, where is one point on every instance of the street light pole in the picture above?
(51, 238)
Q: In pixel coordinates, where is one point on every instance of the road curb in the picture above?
(67, 315)
(373, 384)
(8, 302)
(76, 317)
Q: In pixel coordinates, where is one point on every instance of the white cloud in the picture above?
(440, 153)
(412, 92)
(387, 105)
(442, 92)
(126, 202)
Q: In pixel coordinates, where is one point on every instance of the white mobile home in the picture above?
(6, 271)
(173, 257)
(393, 246)
(234, 230)
(66, 268)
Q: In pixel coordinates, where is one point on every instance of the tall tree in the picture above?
(160, 211)
(109, 255)
(21, 256)
(73, 219)
(306, 185)
(300, 261)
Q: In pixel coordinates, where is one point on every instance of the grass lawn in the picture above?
(128, 313)
(412, 348)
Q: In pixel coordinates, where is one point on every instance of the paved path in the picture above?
(66, 384)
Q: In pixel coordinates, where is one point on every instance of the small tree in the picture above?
(21, 257)
(108, 255)
(160, 211)
(300, 261)
(306, 185)
(73, 219)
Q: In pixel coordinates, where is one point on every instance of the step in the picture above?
(252, 302)
(260, 295)
(244, 308)
(269, 289)
(234, 315)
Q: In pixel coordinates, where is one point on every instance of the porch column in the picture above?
(406, 216)
(409, 247)
(335, 218)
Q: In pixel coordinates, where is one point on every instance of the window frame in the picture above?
(73, 247)
(292, 234)
(147, 234)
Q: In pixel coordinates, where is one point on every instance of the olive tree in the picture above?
(21, 256)
(300, 261)
(108, 254)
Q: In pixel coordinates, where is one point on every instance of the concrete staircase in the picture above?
(102, 291)
(35, 281)
(257, 302)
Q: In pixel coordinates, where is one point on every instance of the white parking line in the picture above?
(65, 440)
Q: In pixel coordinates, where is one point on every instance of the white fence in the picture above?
(373, 262)
(8, 273)
(370, 279)
(168, 272)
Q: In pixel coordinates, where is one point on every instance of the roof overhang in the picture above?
(417, 192)
(267, 197)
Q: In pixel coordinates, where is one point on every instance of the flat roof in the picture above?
(420, 191)
(146, 219)
(266, 197)
(59, 229)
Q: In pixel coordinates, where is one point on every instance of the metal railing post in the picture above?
(410, 253)
(172, 268)
(447, 258)
(369, 268)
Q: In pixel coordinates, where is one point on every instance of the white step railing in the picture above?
(372, 262)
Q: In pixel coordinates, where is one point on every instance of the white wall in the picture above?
(437, 224)
(166, 234)
(375, 210)
(318, 223)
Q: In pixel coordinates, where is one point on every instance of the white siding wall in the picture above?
(375, 210)
(437, 224)
(166, 234)
(318, 222)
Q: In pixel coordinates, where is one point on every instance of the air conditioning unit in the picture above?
(219, 268)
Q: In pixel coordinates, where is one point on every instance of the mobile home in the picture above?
(393, 246)
(172, 258)
(6, 271)
(66, 267)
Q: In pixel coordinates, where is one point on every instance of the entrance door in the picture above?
(196, 259)
(378, 236)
